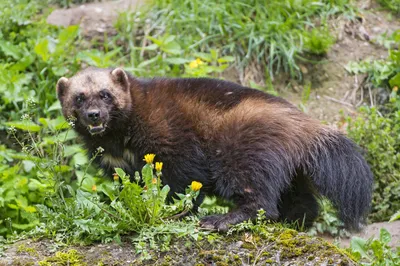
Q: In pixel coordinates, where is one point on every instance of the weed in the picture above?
(375, 251)
(328, 222)
(382, 73)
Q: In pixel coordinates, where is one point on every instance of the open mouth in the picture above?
(96, 129)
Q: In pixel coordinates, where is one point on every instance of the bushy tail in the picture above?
(341, 174)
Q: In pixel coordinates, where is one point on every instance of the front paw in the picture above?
(215, 222)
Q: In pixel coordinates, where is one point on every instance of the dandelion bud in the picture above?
(196, 186)
(159, 166)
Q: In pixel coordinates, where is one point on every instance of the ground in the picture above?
(269, 246)
(333, 89)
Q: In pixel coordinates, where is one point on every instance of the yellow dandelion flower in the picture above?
(94, 188)
(148, 158)
(116, 177)
(199, 62)
(196, 186)
(159, 166)
(154, 181)
(395, 88)
(196, 63)
(193, 64)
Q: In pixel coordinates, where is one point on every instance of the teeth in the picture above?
(96, 129)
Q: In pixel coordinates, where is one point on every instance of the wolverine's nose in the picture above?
(93, 115)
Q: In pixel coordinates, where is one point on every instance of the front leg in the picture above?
(245, 209)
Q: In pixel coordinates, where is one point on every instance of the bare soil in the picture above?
(333, 88)
(94, 18)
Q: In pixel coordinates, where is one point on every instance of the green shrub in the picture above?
(30, 176)
(33, 55)
(379, 136)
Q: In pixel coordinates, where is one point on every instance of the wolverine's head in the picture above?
(95, 97)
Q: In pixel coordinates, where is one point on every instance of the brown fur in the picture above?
(244, 145)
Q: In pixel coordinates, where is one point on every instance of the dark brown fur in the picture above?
(242, 144)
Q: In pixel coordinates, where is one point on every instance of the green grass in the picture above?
(392, 5)
(276, 34)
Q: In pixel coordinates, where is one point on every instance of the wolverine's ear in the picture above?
(62, 87)
(119, 76)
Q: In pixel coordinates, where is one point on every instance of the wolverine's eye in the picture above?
(104, 95)
(80, 98)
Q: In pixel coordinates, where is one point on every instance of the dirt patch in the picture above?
(333, 89)
(371, 231)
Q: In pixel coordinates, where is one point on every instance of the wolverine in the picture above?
(246, 146)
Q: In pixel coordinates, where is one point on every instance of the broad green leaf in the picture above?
(25, 226)
(35, 185)
(42, 49)
(24, 125)
(120, 173)
(28, 165)
(226, 59)
(358, 245)
(148, 62)
(80, 159)
(147, 174)
(55, 106)
(43, 121)
(172, 48)
(83, 198)
(68, 34)
(59, 70)
(13, 206)
(62, 168)
(108, 190)
(155, 41)
(395, 216)
(385, 236)
(395, 81)
(150, 47)
(23, 63)
(176, 60)
(30, 209)
(11, 50)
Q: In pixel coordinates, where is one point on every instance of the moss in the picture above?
(70, 258)
(167, 258)
(23, 248)
(249, 246)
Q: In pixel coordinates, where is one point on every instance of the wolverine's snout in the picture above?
(93, 115)
(96, 121)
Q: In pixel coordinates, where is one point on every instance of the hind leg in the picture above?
(298, 204)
